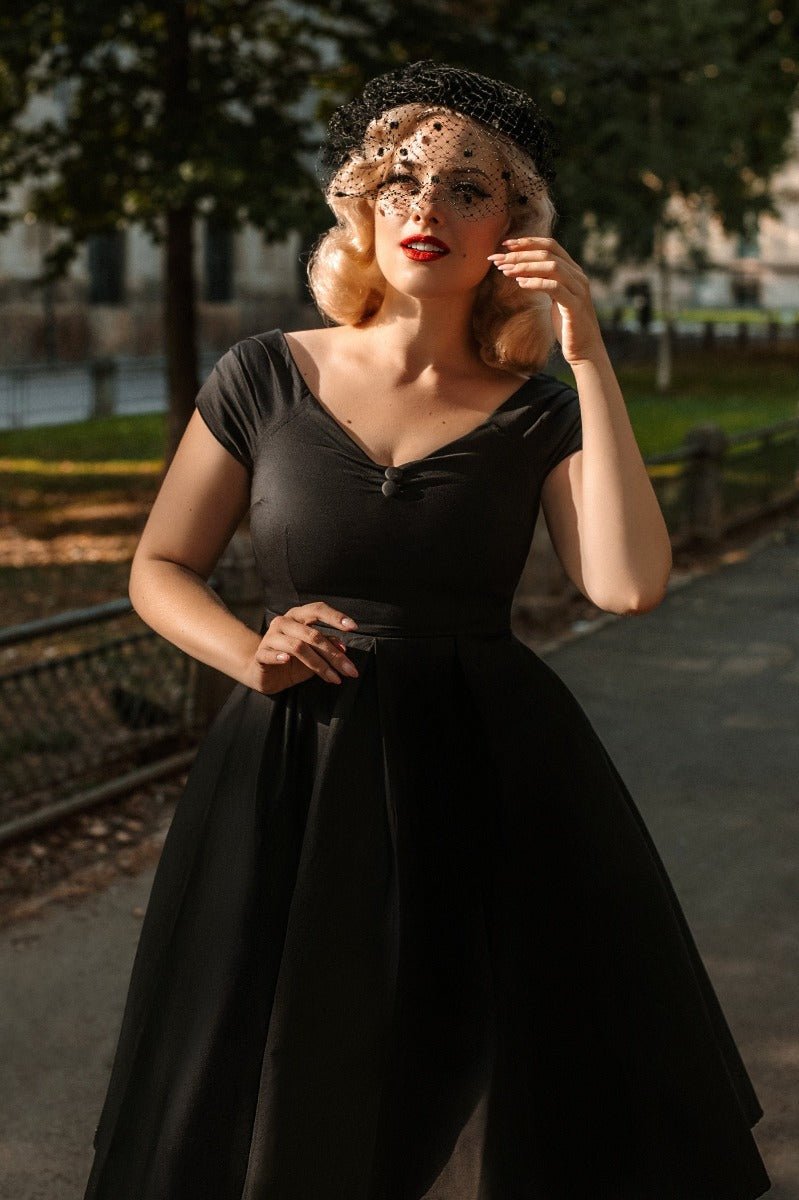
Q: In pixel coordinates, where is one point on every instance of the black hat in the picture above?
(497, 105)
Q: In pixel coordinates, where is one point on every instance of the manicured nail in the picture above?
(347, 621)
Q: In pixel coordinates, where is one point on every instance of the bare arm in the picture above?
(600, 507)
(200, 504)
(203, 499)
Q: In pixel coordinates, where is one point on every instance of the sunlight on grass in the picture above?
(123, 439)
(118, 466)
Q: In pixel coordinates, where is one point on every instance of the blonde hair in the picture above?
(512, 325)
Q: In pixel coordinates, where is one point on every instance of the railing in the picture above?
(93, 723)
(717, 481)
(43, 394)
(739, 324)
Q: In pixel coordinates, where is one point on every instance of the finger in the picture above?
(540, 259)
(320, 610)
(294, 639)
(513, 256)
(316, 650)
(554, 287)
(534, 243)
(548, 268)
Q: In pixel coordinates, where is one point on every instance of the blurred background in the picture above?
(158, 202)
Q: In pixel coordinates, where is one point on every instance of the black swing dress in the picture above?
(409, 937)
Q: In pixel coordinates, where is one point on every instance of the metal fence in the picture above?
(717, 481)
(92, 723)
(53, 394)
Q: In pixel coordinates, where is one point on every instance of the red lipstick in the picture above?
(424, 248)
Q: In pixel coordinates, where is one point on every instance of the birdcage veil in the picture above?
(367, 139)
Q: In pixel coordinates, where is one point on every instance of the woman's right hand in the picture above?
(292, 650)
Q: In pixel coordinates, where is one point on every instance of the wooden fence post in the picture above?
(704, 500)
(104, 387)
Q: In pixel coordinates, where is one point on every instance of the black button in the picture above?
(393, 473)
(390, 488)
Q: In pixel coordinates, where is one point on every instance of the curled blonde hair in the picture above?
(512, 325)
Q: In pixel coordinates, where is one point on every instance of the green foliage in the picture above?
(207, 105)
(163, 107)
(671, 98)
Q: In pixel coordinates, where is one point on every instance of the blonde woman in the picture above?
(409, 936)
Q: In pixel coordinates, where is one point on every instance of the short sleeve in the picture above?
(563, 429)
(227, 404)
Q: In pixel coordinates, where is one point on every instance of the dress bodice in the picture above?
(435, 543)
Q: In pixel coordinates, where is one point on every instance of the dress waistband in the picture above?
(385, 620)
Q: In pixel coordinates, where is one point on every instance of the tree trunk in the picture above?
(664, 347)
(180, 325)
(179, 303)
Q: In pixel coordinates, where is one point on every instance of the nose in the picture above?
(426, 202)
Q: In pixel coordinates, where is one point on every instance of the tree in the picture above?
(185, 106)
(172, 109)
(682, 100)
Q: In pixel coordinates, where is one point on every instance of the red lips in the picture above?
(432, 241)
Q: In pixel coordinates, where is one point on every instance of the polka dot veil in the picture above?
(432, 130)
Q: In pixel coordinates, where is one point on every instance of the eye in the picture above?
(470, 189)
(397, 177)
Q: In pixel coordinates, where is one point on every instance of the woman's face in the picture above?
(448, 185)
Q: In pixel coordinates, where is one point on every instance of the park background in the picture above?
(158, 201)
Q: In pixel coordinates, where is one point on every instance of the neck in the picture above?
(432, 334)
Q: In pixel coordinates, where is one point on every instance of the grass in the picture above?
(124, 439)
(739, 390)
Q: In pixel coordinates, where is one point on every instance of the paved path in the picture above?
(696, 702)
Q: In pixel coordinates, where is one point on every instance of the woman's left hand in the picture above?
(541, 263)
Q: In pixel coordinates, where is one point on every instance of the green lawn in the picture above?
(737, 390)
(130, 439)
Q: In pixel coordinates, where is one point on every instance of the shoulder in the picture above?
(312, 349)
(249, 393)
(553, 393)
(550, 420)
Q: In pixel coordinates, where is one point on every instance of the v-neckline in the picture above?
(486, 423)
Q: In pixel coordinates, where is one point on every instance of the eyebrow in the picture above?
(410, 162)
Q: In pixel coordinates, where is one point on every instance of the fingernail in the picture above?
(491, 257)
(347, 621)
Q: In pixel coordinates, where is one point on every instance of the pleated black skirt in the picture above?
(409, 939)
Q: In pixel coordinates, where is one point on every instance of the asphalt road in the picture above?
(697, 704)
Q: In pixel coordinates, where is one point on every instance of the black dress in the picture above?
(409, 936)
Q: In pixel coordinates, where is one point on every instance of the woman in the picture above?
(409, 936)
